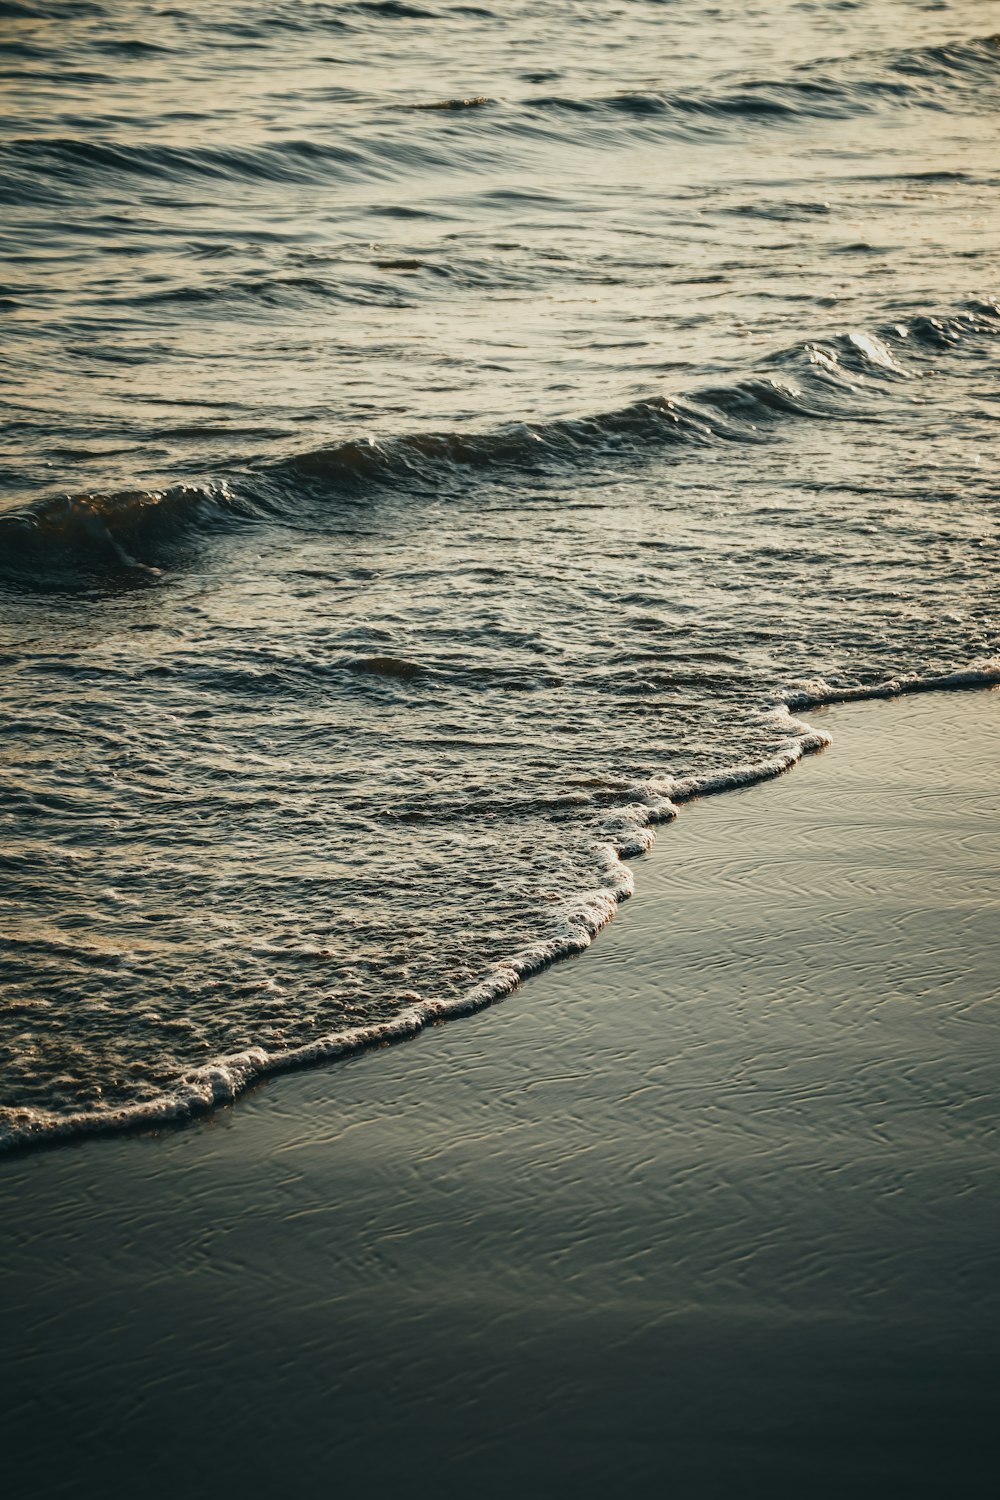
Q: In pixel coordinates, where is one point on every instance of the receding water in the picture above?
(439, 439)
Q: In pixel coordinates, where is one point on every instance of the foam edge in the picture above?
(628, 831)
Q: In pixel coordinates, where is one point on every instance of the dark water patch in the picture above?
(478, 101)
(858, 247)
(133, 47)
(781, 212)
(393, 10)
(932, 176)
(196, 431)
(67, 540)
(934, 333)
(385, 666)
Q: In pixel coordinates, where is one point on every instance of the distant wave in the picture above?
(846, 378)
(39, 169)
(834, 89)
(33, 168)
(320, 15)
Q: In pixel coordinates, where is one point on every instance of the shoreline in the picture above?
(630, 833)
(713, 1209)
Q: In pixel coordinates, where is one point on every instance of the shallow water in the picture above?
(437, 438)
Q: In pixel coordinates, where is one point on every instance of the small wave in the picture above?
(838, 379)
(628, 831)
(51, 169)
(976, 60)
(269, 292)
(838, 89)
(394, 10)
(835, 379)
(65, 159)
(47, 10)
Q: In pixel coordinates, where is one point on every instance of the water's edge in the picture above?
(630, 832)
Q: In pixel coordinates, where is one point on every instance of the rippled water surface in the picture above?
(437, 438)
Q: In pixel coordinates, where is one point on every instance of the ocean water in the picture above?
(439, 440)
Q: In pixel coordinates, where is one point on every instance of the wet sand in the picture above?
(709, 1210)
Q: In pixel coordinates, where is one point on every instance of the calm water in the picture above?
(437, 436)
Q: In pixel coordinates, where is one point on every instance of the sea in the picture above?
(439, 440)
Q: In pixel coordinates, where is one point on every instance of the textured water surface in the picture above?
(438, 440)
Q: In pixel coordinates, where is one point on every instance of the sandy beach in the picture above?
(708, 1210)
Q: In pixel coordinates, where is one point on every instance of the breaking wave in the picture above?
(859, 376)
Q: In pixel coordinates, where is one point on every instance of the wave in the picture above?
(855, 376)
(353, 282)
(68, 160)
(628, 831)
(929, 77)
(43, 169)
(50, 169)
(282, 291)
(48, 10)
(50, 542)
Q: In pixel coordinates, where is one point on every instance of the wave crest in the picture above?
(854, 377)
